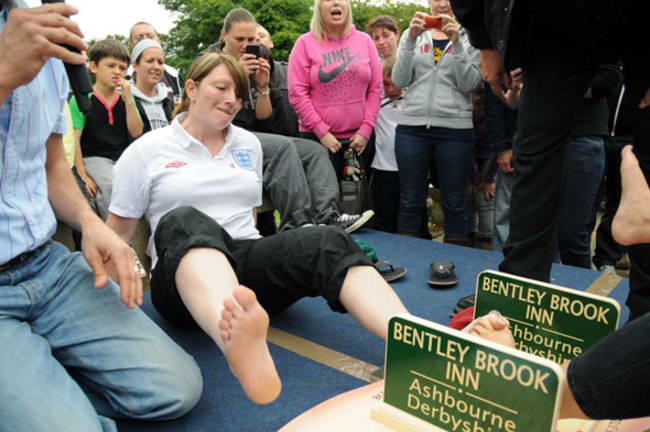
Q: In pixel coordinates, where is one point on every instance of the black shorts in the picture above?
(280, 269)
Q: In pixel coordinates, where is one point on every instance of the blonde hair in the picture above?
(317, 25)
(203, 65)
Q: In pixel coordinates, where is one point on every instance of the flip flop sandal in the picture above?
(442, 274)
(388, 272)
(463, 303)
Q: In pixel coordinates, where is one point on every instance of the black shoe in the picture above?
(464, 303)
(352, 222)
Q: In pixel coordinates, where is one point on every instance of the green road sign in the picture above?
(547, 320)
(461, 383)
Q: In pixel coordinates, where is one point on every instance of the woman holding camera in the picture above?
(441, 70)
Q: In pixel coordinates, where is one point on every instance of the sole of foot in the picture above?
(630, 222)
(244, 325)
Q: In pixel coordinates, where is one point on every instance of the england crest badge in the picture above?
(244, 158)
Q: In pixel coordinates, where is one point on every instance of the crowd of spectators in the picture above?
(412, 109)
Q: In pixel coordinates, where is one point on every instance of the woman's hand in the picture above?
(358, 142)
(330, 142)
(250, 63)
(416, 27)
(450, 27)
(263, 74)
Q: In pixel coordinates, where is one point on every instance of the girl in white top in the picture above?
(198, 181)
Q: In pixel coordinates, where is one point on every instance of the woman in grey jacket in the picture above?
(441, 70)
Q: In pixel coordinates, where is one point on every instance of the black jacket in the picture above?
(503, 25)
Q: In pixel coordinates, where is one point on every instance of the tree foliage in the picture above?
(199, 22)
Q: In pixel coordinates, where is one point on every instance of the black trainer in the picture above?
(352, 222)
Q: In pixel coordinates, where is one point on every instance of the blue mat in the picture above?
(223, 405)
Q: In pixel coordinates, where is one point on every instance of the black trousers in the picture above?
(556, 76)
(607, 251)
(280, 269)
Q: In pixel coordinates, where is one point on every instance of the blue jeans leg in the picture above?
(63, 333)
(414, 154)
(584, 167)
(453, 159)
(502, 209)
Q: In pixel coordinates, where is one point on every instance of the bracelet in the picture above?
(264, 92)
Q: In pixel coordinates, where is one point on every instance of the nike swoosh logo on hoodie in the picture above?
(325, 77)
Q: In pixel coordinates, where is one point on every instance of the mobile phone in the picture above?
(433, 22)
(253, 49)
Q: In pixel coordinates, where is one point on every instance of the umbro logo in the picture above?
(175, 164)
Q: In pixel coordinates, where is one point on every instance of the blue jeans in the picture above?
(584, 165)
(417, 149)
(70, 351)
(502, 209)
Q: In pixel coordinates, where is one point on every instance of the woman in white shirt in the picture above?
(198, 182)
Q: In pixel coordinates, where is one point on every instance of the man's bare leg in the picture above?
(631, 224)
(232, 317)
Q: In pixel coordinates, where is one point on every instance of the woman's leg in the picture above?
(413, 151)
(194, 281)
(454, 161)
(370, 300)
(320, 261)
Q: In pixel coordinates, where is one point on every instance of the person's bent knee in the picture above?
(177, 392)
(185, 390)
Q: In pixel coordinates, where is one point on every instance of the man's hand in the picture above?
(32, 36)
(504, 160)
(108, 255)
(125, 86)
(489, 190)
(645, 102)
(91, 186)
(330, 142)
(494, 73)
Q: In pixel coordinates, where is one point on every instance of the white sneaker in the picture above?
(352, 222)
(607, 268)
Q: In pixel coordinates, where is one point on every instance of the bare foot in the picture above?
(492, 327)
(631, 224)
(243, 330)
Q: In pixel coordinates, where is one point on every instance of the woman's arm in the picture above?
(466, 66)
(403, 70)
(375, 91)
(300, 88)
(263, 106)
(124, 227)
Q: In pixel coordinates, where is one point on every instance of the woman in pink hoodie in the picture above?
(335, 81)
